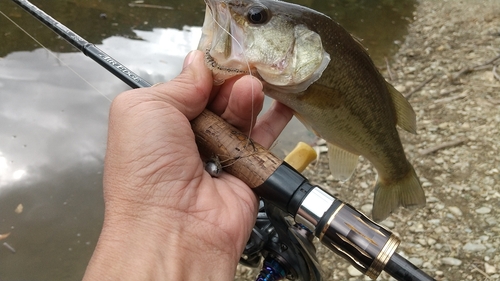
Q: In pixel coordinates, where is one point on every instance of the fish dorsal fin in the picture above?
(406, 118)
(359, 41)
(342, 162)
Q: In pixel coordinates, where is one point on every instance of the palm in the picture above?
(176, 177)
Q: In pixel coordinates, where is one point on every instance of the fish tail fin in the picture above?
(406, 192)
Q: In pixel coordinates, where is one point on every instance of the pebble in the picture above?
(416, 261)
(426, 184)
(367, 208)
(432, 199)
(483, 210)
(422, 241)
(455, 211)
(400, 88)
(435, 221)
(354, 272)
(451, 261)
(484, 237)
(388, 223)
(492, 171)
(19, 209)
(418, 228)
(491, 221)
(473, 247)
(439, 160)
(489, 269)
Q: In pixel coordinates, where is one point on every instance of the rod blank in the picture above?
(89, 49)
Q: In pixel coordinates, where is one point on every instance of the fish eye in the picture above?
(258, 14)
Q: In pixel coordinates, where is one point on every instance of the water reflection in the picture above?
(53, 122)
(53, 135)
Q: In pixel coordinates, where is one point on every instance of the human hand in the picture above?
(165, 217)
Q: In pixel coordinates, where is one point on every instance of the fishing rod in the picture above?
(366, 245)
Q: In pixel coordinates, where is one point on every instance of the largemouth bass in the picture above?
(308, 62)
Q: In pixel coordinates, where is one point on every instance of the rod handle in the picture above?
(239, 155)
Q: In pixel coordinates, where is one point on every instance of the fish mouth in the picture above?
(214, 65)
(221, 41)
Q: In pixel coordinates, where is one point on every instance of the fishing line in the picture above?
(55, 56)
(249, 71)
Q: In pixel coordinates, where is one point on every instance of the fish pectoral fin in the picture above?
(406, 118)
(305, 123)
(342, 162)
(406, 192)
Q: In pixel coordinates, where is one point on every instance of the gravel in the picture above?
(443, 65)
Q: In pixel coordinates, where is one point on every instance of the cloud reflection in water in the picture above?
(52, 142)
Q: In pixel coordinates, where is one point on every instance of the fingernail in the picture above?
(189, 59)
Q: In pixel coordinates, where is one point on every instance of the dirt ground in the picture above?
(449, 66)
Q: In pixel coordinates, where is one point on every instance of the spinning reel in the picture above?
(285, 246)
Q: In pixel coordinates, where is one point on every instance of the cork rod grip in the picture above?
(239, 156)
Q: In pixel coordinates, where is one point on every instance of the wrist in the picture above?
(137, 249)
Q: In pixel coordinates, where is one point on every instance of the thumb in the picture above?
(190, 90)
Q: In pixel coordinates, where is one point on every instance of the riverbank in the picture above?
(453, 52)
(449, 67)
